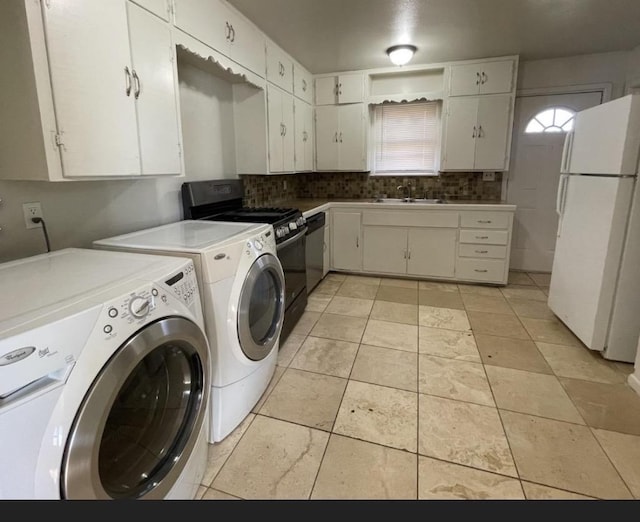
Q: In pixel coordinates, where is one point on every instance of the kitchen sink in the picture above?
(412, 200)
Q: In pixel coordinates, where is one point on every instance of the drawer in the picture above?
(485, 219)
(480, 269)
(482, 251)
(484, 237)
(411, 218)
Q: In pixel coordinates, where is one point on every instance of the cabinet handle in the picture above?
(484, 221)
(339, 88)
(482, 251)
(480, 131)
(477, 78)
(127, 77)
(233, 34)
(474, 132)
(137, 81)
(324, 247)
(482, 237)
(335, 90)
(409, 254)
(304, 86)
(285, 129)
(404, 254)
(357, 242)
(340, 137)
(281, 129)
(480, 271)
(335, 138)
(483, 78)
(228, 31)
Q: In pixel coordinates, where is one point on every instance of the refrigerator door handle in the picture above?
(566, 152)
(561, 192)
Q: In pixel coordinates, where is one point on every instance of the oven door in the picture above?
(261, 307)
(292, 255)
(140, 420)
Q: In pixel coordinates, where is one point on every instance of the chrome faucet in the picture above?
(407, 190)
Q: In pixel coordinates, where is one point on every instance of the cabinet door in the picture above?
(276, 129)
(205, 20)
(350, 88)
(279, 67)
(88, 48)
(496, 77)
(432, 252)
(302, 83)
(308, 137)
(493, 132)
(465, 80)
(460, 132)
(288, 139)
(326, 90)
(299, 141)
(384, 249)
(246, 45)
(326, 251)
(346, 240)
(158, 7)
(326, 129)
(155, 89)
(351, 137)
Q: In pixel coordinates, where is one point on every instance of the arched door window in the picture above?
(556, 119)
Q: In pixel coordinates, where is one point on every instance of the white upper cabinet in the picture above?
(218, 26)
(303, 136)
(279, 67)
(281, 130)
(486, 77)
(340, 137)
(161, 8)
(476, 133)
(302, 83)
(343, 88)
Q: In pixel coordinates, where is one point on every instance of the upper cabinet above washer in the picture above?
(485, 77)
(279, 67)
(218, 26)
(344, 88)
(302, 83)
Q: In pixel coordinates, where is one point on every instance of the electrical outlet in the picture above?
(284, 184)
(488, 176)
(31, 210)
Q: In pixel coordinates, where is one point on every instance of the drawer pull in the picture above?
(484, 221)
(482, 237)
(482, 251)
(480, 271)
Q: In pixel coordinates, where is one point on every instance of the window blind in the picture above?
(406, 138)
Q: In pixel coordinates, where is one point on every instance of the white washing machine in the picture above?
(242, 287)
(104, 371)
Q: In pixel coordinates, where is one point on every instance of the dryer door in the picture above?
(261, 307)
(140, 420)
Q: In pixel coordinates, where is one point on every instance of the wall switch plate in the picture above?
(488, 176)
(31, 210)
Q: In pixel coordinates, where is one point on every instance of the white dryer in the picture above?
(243, 290)
(104, 371)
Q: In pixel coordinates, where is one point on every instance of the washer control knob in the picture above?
(139, 307)
(257, 245)
(113, 312)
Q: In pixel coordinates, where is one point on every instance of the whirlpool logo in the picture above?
(16, 355)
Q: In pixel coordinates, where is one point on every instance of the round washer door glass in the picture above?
(141, 418)
(261, 307)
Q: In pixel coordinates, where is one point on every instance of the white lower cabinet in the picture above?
(346, 240)
(385, 249)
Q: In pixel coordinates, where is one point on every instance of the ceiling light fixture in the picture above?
(401, 54)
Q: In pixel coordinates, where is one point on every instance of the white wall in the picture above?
(576, 70)
(633, 71)
(79, 212)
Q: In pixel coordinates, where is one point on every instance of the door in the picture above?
(300, 131)
(90, 66)
(496, 77)
(465, 79)
(288, 137)
(534, 175)
(308, 137)
(385, 249)
(205, 20)
(245, 45)
(350, 88)
(327, 150)
(351, 137)
(345, 245)
(157, 7)
(154, 90)
(460, 133)
(142, 416)
(261, 307)
(276, 129)
(326, 89)
(594, 211)
(492, 132)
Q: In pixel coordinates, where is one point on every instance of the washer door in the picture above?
(261, 307)
(138, 423)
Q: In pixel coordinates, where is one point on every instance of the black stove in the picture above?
(221, 200)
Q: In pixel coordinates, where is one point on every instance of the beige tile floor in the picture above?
(399, 389)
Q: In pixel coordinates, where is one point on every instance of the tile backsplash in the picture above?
(270, 190)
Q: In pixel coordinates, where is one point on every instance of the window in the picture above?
(557, 119)
(407, 137)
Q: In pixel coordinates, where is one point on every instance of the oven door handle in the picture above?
(293, 239)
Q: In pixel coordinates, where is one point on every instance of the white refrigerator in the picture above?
(595, 279)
